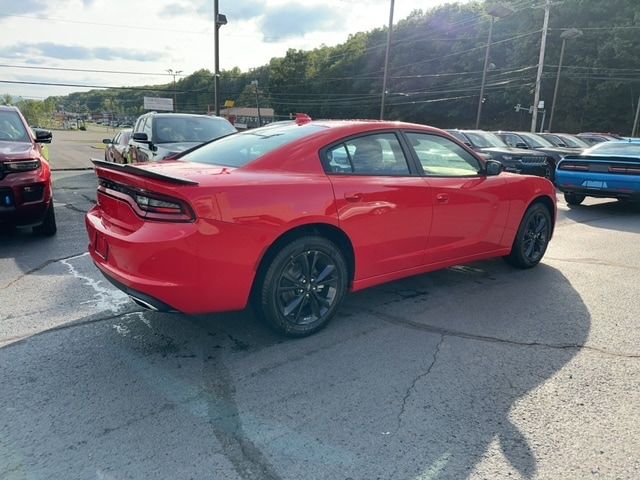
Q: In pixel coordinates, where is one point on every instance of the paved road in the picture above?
(73, 148)
(478, 371)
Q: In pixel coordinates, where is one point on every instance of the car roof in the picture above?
(8, 108)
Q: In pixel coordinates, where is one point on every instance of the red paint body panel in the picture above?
(397, 226)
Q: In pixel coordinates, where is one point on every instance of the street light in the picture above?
(174, 73)
(496, 11)
(255, 82)
(566, 35)
(220, 20)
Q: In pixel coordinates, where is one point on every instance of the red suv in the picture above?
(25, 178)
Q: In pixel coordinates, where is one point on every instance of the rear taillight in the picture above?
(573, 166)
(148, 205)
(627, 170)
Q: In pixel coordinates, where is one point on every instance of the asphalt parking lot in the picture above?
(478, 371)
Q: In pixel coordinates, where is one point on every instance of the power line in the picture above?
(87, 70)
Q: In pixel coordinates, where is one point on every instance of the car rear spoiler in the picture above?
(142, 172)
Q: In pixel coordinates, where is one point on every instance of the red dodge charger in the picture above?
(291, 216)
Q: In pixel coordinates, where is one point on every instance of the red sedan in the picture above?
(292, 216)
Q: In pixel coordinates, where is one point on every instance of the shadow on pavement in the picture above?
(418, 377)
(612, 215)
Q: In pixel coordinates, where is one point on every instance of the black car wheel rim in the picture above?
(535, 237)
(307, 287)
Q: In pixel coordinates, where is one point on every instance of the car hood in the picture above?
(520, 152)
(16, 151)
(560, 150)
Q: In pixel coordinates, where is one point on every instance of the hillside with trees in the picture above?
(435, 71)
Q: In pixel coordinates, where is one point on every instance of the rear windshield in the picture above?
(11, 128)
(621, 149)
(178, 129)
(242, 148)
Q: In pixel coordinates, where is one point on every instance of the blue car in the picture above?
(606, 170)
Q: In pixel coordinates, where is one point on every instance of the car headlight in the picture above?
(22, 166)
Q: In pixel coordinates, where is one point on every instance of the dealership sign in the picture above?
(157, 103)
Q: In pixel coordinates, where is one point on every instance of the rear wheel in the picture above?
(532, 237)
(48, 226)
(573, 198)
(302, 286)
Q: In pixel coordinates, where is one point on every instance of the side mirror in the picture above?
(106, 141)
(493, 168)
(43, 136)
(140, 137)
(522, 145)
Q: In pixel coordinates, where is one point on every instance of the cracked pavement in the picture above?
(479, 371)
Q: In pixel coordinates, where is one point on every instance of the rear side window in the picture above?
(377, 155)
(242, 148)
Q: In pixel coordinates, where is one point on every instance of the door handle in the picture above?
(442, 198)
(353, 197)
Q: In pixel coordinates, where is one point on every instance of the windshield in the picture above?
(11, 128)
(175, 129)
(536, 141)
(622, 149)
(485, 140)
(238, 150)
(573, 142)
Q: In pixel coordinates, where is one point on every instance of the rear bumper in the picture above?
(180, 267)
(599, 184)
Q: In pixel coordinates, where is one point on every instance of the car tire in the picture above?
(573, 199)
(48, 226)
(302, 286)
(532, 238)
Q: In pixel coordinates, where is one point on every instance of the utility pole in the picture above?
(634, 130)
(219, 20)
(566, 35)
(174, 73)
(543, 45)
(496, 11)
(386, 61)
(255, 82)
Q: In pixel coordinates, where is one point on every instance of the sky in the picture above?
(150, 36)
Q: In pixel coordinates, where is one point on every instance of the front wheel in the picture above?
(573, 198)
(303, 286)
(532, 238)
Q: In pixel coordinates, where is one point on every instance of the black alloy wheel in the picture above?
(573, 199)
(532, 238)
(303, 286)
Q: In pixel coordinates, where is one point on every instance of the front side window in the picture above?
(11, 128)
(536, 141)
(512, 140)
(440, 157)
(378, 155)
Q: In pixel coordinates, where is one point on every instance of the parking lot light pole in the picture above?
(496, 11)
(543, 45)
(219, 20)
(255, 82)
(566, 35)
(174, 73)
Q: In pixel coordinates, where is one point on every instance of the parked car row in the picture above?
(156, 136)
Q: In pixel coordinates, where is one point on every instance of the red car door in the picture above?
(470, 208)
(383, 205)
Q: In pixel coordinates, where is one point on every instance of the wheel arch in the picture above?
(549, 205)
(325, 230)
